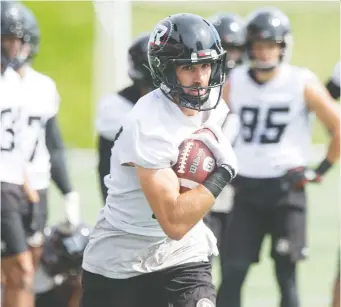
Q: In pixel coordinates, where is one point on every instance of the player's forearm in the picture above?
(189, 208)
(31, 194)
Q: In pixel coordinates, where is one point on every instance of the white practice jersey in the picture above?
(42, 103)
(13, 154)
(336, 74)
(275, 121)
(111, 112)
(127, 240)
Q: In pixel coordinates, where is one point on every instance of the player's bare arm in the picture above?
(177, 213)
(324, 106)
(32, 194)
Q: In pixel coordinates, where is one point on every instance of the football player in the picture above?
(16, 264)
(149, 246)
(230, 28)
(57, 281)
(333, 84)
(113, 107)
(47, 156)
(42, 140)
(275, 101)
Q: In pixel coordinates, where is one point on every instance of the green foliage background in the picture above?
(68, 35)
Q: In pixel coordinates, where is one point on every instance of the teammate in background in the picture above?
(113, 107)
(16, 265)
(47, 157)
(149, 246)
(57, 281)
(333, 84)
(230, 28)
(333, 87)
(20, 38)
(274, 101)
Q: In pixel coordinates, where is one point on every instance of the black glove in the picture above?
(297, 178)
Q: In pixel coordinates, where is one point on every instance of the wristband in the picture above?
(218, 180)
(324, 166)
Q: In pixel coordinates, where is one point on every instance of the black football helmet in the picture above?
(138, 62)
(230, 28)
(268, 24)
(63, 249)
(18, 22)
(186, 39)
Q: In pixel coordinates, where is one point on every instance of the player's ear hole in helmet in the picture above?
(186, 39)
(266, 28)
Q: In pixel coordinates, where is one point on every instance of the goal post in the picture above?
(113, 35)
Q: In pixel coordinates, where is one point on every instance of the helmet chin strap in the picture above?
(183, 99)
(264, 66)
(187, 99)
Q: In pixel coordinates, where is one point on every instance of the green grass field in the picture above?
(66, 55)
(68, 35)
(315, 275)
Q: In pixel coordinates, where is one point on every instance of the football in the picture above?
(195, 162)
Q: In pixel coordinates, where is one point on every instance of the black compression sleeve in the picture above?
(55, 146)
(333, 89)
(324, 166)
(218, 180)
(104, 154)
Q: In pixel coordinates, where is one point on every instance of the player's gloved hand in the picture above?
(72, 208)
(298, 177)
(226, 161)
(221, 149)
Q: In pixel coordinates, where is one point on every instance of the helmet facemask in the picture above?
(285, 45)
(10, 45)
(170, 85)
